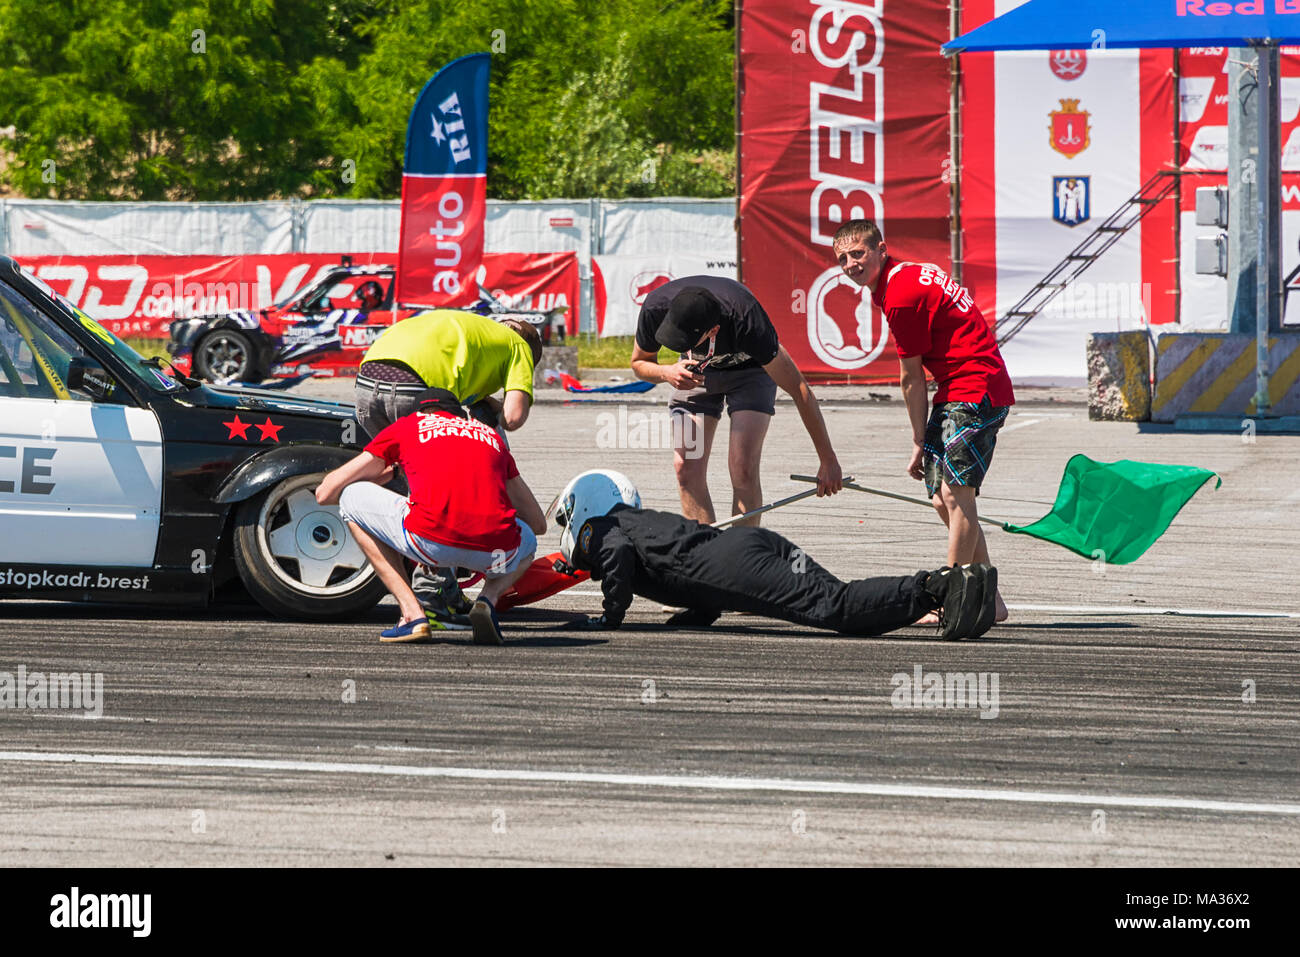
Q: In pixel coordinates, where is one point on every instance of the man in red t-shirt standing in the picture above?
(468, 508)
(938, 329)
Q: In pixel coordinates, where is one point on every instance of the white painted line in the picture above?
(1135, 610)
(85, 716)
(702, 782)
(1019, 425)
(1104, 610)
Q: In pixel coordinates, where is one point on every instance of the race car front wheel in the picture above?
(225, 357)
(298, 559)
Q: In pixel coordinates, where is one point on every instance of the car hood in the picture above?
(260, 400)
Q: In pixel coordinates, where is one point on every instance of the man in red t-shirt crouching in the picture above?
(468, 508)
(938, 329)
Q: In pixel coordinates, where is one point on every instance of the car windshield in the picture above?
(306, 292)
(141, 368)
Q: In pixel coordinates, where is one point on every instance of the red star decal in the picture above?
(237, 428)
(270, 431)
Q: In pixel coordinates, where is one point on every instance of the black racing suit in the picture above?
(677, 561)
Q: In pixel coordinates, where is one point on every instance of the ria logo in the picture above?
(443, 131)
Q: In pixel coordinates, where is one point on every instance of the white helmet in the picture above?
(587, 496)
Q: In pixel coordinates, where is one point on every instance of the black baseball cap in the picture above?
(439, 400)
(692, 313)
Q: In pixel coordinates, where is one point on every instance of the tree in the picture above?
(166, 100)
(255, 99)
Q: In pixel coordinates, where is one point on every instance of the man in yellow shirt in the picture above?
(471, 356)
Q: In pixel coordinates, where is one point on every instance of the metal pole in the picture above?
(796, 497)
(1268, 197)
(1244, 267)
(1178, 205)
(850, 484)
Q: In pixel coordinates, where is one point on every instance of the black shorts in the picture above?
(745, 390)
(959, 442)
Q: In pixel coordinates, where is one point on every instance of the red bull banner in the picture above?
(138, 296)
(843, 114)
(444, 187)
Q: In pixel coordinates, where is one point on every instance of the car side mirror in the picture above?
(88, 376)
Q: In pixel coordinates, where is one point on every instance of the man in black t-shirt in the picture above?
(730, 353)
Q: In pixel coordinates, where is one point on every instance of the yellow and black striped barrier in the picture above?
(1214, 373)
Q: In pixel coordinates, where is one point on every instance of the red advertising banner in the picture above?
(1203, 127)
(843, 114)
(444, 187)
(140, 295)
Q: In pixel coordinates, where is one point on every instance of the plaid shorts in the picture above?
(959, 442)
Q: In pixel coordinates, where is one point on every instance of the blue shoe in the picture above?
(487, 630)
(415, 630)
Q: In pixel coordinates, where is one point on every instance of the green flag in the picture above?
(1115, 510)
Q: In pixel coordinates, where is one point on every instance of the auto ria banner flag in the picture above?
(444, 187)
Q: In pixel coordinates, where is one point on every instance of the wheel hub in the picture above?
(320, 535)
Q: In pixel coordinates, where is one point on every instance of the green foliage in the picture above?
(589, 98)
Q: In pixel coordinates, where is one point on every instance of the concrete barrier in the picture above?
(561, 359)
(1119, 376)
(1214, 373)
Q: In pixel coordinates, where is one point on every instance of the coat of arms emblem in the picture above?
(1070, 130)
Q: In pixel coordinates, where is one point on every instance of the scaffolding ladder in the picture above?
(1153, 192)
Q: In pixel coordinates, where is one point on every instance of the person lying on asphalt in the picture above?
(706, 571)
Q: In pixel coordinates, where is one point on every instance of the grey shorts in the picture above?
(380, 404)
(383, 513)
(744, 390)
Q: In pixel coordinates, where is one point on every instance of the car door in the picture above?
(80, 479)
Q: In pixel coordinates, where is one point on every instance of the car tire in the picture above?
(226, 357)
(298, 559)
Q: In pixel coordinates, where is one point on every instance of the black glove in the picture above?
(594, 623)
(693, 618)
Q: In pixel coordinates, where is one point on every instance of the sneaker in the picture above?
(483, 618)
(447, 622)
(963, 600)
(988, 611)
(414, 631)
(438, 591)
(457, 603)
(441, 604)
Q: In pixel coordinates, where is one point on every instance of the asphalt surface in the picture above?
(1140, 717)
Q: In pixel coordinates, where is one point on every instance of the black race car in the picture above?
(323, 329)
(122, 482)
